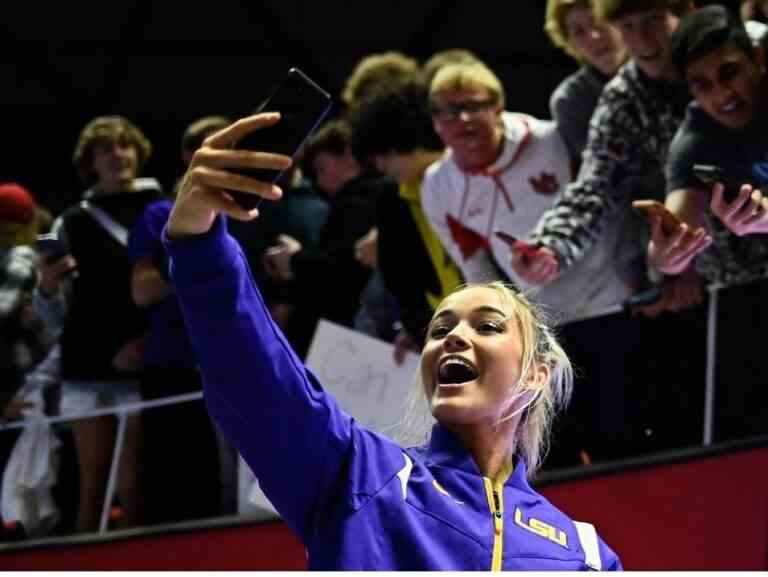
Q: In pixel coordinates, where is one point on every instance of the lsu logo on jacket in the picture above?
(541, 529)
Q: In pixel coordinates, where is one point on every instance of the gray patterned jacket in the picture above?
(629, 136)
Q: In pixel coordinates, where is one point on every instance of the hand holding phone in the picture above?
(732, 180)
(515, 244)
(302, 105)
(535, 265)
(651, 209)
(50, 247)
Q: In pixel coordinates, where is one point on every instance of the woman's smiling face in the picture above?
(473, 358)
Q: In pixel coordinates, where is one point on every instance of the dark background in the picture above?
(164, 64)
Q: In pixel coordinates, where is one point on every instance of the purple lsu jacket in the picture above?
(356, 499)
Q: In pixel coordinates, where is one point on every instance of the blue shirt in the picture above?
(356, 499)
(167, 343)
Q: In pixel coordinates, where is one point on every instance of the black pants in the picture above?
(639, 386)
(741, 370)
(596, 419)
(180, 453)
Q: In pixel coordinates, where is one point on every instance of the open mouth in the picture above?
(455, 371)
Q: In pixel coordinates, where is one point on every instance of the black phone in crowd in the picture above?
(732, 179)
(51, 247)
(302, 105)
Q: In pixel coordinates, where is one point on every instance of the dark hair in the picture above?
(705, 30)
(394, 118)
(610, 10)
(333, 138)
(200, 129)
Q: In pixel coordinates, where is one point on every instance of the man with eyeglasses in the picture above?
(501, 172)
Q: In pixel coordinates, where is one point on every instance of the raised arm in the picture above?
(613, 153)
(290, 432)
(149, 275)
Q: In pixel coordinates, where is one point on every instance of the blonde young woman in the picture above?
(492, 374)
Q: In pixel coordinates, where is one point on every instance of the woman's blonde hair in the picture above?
(467, 76)
(108, 129)
(540, 348)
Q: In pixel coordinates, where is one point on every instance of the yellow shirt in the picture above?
(447, 272)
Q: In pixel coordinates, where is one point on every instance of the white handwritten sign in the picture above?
(361, 374)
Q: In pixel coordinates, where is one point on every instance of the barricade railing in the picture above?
(121, 412)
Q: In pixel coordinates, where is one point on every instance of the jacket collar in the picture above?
(445, 450)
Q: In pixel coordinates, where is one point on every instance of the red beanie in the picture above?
(16, 204)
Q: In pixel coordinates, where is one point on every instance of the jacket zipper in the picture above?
(496, 506)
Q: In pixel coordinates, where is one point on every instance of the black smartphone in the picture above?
(302, 105)
(51, 247)
(732, 179)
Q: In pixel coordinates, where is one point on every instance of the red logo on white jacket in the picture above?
(546, 183)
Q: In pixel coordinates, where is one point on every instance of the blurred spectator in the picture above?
(756, 10)
(197, 131)
(352, 193)
(440, 59)
(100, 366)
(754, 13)
(392, 125)
(726, 127)
(571, 25)
(377, 315)
(23, 338)
(630, 132)
(629, 135)
(374, 69)
(300, 214)
(193, 137)
(502, 172)
(180, 461)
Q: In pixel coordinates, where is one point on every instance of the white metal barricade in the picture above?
(121, 411)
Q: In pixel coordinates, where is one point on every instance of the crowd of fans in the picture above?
(425, 182)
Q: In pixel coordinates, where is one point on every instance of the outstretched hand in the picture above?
(746, 214)
(672, 251)
(203, 192)
(535, 265)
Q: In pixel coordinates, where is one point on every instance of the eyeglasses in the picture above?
(453, 110)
